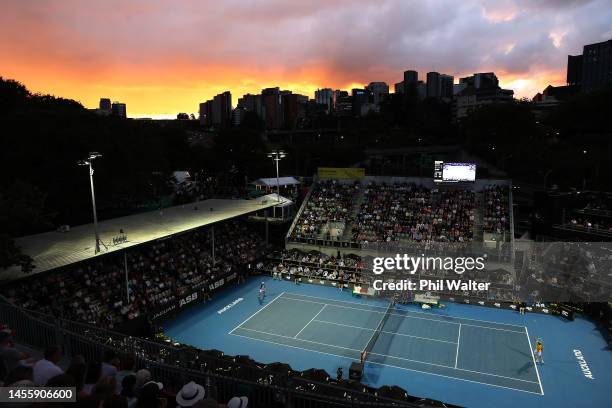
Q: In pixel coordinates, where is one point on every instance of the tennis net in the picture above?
(368, 348)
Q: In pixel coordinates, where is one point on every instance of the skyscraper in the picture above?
(217, 111)
(105, 104)
(360, 97)
(433, 84)
(272, 104)
(592, 69)
(222, 109)
(410, 80)
(596, 65)
(574, 70)
(446, 86)
(379, 91)
(399, 87)
(206, 113)
(324, 97)
(252, 103)
(342, 103)
(119, 109)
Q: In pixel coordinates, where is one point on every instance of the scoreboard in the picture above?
(454, 172)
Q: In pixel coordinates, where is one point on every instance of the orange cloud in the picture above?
(163, 58)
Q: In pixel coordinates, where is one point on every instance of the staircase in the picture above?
(478, 217)
(348, 231)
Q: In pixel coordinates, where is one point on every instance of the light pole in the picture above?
(276, 156)
(89, 162)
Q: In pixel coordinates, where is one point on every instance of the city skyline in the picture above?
(160, 59)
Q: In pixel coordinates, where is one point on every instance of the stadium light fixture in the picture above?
(89, 162)
(276, 156)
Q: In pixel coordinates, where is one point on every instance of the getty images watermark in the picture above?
(406, 264)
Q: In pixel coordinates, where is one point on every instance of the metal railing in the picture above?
(222, 376)
(302, 207)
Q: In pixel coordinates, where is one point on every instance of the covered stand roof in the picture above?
(50, 250)
(271, 182)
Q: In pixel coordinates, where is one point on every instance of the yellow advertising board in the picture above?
(341, 173)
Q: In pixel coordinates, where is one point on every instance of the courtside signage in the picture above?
(226, 308)
(584, 367)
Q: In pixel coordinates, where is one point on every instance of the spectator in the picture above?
(47, 367)
(109, 364)
(128, 364)
(238, 402)
(190, 394)
(161, 273)
(101, 391)
(142, 377)
(20, 376)
(11, 356)
(92, 376)
(77, 370)
(128, 389)
(62, 380)
(207, 403)
(115, 401)
(149, 394)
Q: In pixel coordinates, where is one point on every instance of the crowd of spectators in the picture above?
(407, 212)
(202, 186)
(399, 212)
(598, 203)
(295, 264)
(590, 223)
(496, 217)
(330, 201)
(159, 273)
(114, 381)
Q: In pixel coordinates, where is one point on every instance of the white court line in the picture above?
(459, 369)
(533, 358)
(384, 331)
(315, 316)
(458, 341)
(489, 328)
(386, 365)
(293, 338)
(402, 315)
(406, 311)
(384, 355)
(251, 316)
(368, 310)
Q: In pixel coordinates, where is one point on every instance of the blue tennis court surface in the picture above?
(466, 355)
(486, 352)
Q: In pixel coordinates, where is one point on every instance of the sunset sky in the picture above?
(165, 57)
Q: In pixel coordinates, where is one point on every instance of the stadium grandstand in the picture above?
(196, 300)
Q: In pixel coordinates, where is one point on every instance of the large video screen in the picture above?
(454, 172)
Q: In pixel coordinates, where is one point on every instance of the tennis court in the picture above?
(484, 352)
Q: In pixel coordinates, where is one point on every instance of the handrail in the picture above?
(315, 181)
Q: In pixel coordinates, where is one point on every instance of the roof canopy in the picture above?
(274, 199)
(271, 182)
(51, 250)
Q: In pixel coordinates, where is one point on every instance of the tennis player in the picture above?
(539, 346)
(262, 290)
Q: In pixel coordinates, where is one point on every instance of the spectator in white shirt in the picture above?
(47, 368)
(109, 364)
